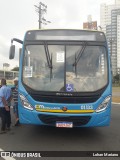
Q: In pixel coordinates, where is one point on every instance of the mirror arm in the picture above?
(17, 40)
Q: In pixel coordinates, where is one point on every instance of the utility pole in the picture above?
(41, 9)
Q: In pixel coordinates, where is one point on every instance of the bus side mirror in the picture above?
(12, 52)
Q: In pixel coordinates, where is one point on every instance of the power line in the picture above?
(41, 9)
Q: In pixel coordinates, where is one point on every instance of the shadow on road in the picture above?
(53, 132)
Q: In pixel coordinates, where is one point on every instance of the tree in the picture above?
(15, 69)
(116, 78)
(5, 66)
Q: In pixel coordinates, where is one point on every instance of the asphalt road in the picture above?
(37, 138)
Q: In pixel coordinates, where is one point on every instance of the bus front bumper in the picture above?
(78, 120)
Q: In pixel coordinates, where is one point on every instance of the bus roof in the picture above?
(45, 29)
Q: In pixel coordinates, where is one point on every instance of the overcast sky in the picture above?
(18, 16)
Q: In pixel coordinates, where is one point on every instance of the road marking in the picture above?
(7, 158)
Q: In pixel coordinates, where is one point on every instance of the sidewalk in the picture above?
(116, 95)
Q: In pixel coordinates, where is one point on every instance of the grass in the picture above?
(10, 82)
(116, 99)
(116, 89)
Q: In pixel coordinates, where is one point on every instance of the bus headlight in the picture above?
(25, 102)
(103, 105)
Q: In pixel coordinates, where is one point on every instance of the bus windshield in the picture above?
(65, 68)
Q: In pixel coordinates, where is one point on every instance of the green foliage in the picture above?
(116, 80)
(15, 69)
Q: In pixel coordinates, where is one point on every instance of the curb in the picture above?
(115, 103)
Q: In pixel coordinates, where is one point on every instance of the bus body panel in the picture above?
(97, 119)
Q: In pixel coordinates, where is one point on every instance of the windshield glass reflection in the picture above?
(54, 68)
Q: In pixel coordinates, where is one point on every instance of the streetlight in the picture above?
(99, 28)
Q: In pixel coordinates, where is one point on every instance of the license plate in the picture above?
(64, 124)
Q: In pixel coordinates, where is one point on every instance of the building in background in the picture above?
(105, 14)
(8, 75)
(92, 25)
(110, 23)
(118, 42)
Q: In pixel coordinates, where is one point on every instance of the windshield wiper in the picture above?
(49, 59)
(77, 57)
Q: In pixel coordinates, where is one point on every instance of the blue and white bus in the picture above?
(64, 78)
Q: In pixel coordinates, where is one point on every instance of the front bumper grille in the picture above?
(77, 120)
(68, 100)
